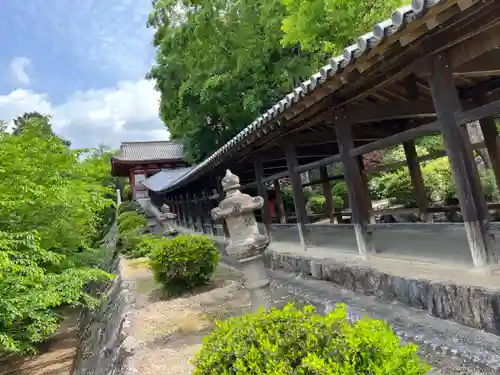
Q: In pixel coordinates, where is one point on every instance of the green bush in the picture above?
(395, 186)
(339, 190)
(129, 206)
(489, 185)
(438, 179)
(183, 262)
(300, 342)
(143, 245)
(288, 198)
(131, 221)
(131, 226)
(317, 203)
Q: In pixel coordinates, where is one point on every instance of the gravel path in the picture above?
(169, 332)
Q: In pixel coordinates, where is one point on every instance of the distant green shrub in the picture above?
(288, 203)
(131, 225)
(144, 245)
(131, 221)
(300, 342)
(339, 190)
(489, 185)
(129, 206)
(395, 186)
(438, 179)
(183, 262)
(317, 203)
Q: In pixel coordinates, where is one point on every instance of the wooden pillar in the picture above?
(222, 195)
(490, 135)
(355, 186)
(364, 177)
(262, 191)
(182, 203)
(327, 192)
(463, 166)
(279, 202)
(193, 210)
(210, 206)
(416, 179)
(180, 213)
(199, 209)
(297, 193)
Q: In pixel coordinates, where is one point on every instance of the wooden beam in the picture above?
(262, 191)
(463, 167)
(297, 192)
(484, 65)
(461, 118)
(279, 202)
(357, 194)
(416, 179)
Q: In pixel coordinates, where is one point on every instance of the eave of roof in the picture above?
(162, 180)
(400, 19)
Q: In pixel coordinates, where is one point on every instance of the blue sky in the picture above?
(83, 62)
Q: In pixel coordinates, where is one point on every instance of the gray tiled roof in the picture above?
(400, 19)
(150, 150)
(163, 179)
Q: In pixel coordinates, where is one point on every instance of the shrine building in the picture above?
(139, 161)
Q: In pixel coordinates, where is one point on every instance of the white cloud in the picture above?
(127, 112)
(18, 67)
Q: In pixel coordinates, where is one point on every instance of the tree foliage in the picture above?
(51, 211)
(220, 67)
(328, 26)
(42, 121)
(221, 63)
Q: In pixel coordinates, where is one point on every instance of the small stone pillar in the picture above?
(244, 242)
(168, 218)
(118, 197)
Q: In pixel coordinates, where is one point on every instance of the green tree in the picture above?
(42, 122)
(219, 64)
(51, 205)
(328, 26)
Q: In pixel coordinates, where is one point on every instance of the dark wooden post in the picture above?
(279, 202)
(416, 179)
(297, 193)
(185, 217)
(189, 212)
(262, 191)
(355, 186)
(327, 192)
(210, 205)
(201, 214)
(364, 178)
(181, 210)
(222, 195)
(463, 166)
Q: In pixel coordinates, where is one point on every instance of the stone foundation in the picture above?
(471, 306)
(104, 347)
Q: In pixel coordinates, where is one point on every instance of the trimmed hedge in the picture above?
(300, 342)
(183, 262)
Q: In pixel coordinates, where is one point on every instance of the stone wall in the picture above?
(472, 306)
(104, 347)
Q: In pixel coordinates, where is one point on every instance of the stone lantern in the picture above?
(167, 218)
(245, 243)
